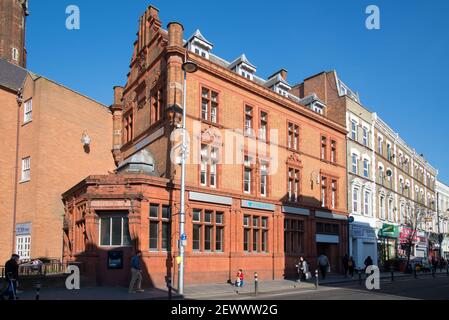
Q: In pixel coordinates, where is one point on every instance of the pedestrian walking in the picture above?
(324, 265)
(434, 263)
(345, 265)
(136, 273)
(303, 269)
(351, 267)
(368, 262)
(11, 277)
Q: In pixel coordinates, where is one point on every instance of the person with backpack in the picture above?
(351, 267)
(324, 265)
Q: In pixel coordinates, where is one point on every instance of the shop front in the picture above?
(387, 244)
(363, 243)
(445, 247)
(407, 240)
(434, 245)
(422, 246)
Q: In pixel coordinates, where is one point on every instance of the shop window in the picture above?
(208, 230)
(327, 228)
(294, 236)
(160, 227)
(255, 233)
(114, 230)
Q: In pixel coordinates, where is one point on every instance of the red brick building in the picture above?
(13, 15)
(277, 193)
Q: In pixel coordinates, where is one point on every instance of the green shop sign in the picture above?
(389, 231)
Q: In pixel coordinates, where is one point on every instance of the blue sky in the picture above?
(401, 71)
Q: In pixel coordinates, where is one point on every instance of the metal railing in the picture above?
(53, 268)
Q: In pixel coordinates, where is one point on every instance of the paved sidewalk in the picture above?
(95, 293)
(225, 291)
(205, 291)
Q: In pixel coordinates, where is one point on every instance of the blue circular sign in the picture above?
(350, 219)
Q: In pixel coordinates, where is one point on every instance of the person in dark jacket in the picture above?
(12, 275)
(345, 265)
(136, 273)
(368, 262)
(351, 267)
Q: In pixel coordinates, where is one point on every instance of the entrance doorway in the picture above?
(331, 251)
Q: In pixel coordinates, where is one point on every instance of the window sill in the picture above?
(27, 122)
(115, 247)
(210, 123)
(294, 150)
(256, 253)
(24, 181)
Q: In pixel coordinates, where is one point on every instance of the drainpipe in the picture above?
(16, 174)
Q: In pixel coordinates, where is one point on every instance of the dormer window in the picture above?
(243, 67)
(318, 108)
(281, 91)
(313, 103)
(246, 74)
(278, 83)
(199, 45)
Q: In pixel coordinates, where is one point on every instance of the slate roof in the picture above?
(11, 76)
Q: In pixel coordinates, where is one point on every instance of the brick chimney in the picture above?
(117, 112)
(283, 73)
(175, 59)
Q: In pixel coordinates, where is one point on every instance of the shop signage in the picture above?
(406, 234)
(23, 229)
(329, 215)
(293, 210)
(258, 205)
(389, 231)
(362, 232)
(327, 238)
(204, 197)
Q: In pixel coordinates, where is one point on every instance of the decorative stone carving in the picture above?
(294, 159)
(211, 136)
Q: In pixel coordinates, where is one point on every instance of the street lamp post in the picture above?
(187, 67)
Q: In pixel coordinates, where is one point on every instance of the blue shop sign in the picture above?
(23, 229)
(257, 205)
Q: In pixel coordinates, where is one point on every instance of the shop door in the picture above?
(331, 251)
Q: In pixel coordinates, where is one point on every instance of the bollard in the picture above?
(38, 290)
(392, 273)
(170, 288)
(256, 284)
(317, 279)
